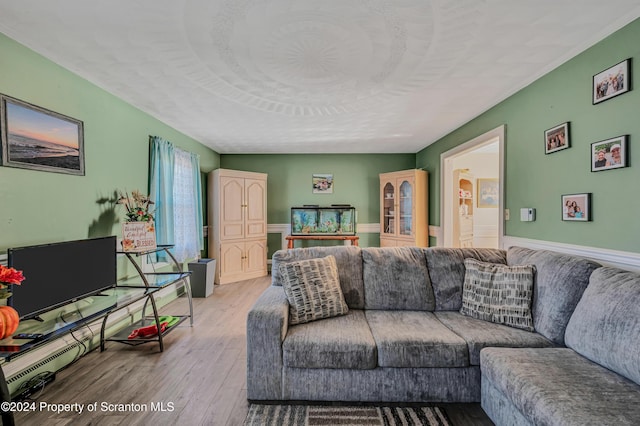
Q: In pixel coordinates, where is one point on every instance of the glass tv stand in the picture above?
(144, 287)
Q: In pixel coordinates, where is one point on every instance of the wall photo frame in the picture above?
(612, 82)
(576, 207)
(36, 138)
(609, 154)
(322, 183)
(488, 193)
(556, 138)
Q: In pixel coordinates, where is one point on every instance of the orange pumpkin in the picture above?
(9, 320)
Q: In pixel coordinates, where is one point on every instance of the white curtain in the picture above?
(187, 227)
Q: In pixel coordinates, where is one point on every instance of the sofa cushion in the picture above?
(446, 270)
(559, 283)
(557, 386)
(396, 278)
(348, 260)
(339, 342)
(498, 293)
(312, 289)
(415, 339)
(605, 326)
(481, 334)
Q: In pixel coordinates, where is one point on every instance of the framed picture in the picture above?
(576, 207)
(488, 193)
(322, 183)
(609, 154)
(612, 82)
(39, 139)
(556, 138)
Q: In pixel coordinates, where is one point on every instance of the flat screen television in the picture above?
(60, 273)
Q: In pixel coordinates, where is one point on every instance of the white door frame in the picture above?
(444, 238)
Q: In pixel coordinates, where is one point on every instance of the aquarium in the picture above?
(315, 220)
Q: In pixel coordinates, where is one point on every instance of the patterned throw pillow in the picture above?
(498, 293)
(313, 289)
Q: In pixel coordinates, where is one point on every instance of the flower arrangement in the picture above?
(9, 276)
(137, 206)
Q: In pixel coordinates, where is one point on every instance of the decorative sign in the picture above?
(138, 236)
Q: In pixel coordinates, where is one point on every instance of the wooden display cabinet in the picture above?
(404, 208)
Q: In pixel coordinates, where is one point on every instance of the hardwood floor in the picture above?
(199, 379)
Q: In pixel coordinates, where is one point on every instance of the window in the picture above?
(176, 188)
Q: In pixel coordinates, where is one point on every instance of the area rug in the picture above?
(309, 415)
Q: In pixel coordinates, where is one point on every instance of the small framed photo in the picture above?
(576, 207)
(556, 138)
(322, 183)
(609, 154)
(612, 82)
(488, 193)
(39, 139)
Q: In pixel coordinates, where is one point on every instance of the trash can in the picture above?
(202, 273)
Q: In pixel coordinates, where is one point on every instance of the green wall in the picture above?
(39, 207)
(355, 177)
(534, 179)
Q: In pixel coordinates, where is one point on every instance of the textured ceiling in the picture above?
(300, 76)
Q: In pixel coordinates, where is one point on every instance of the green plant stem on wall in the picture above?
(40, 207)
(533, 179)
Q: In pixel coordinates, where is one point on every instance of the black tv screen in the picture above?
(60, 273)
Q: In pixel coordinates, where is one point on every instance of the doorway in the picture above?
(473, 215)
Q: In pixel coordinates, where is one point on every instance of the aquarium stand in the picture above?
(348, 239)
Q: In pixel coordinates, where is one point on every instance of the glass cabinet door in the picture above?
(388, 209)
(406, 204)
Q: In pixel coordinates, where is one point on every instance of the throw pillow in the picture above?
(498, 293)
(313, 289)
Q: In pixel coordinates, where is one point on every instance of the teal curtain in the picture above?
(195, 169)
(161, 172)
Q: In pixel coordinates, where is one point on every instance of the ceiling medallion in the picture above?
(322, 58)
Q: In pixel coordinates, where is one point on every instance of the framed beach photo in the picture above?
(556, 138)
(612, 82)
(322, 183)
(576, 207)
(609, 154)
(38, 139)
(488, 193)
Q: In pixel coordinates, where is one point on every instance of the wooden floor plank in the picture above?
(200, 378)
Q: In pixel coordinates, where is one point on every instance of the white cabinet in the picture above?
(238, 216)
(403, 209)
(463, 216)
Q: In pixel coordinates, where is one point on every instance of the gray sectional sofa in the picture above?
(404, 339)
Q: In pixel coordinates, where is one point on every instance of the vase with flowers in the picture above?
(9, 318)
(138, 232)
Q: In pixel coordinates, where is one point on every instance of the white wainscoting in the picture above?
(485, 236)
(436, 232)
(283, 229)
(619, 259)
